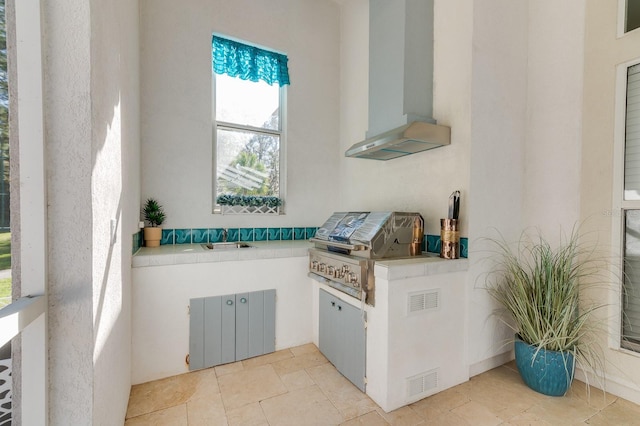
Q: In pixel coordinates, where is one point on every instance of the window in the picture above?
(249, 120)
(628, 16)
(630, 338)
(632, 15)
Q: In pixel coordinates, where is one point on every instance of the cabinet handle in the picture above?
(333, 303)
(339, 308)
(243, 300)
(229, 302)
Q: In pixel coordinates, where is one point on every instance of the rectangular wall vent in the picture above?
(423, 301)
(421, 384)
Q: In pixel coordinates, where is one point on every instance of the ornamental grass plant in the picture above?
(542, 293)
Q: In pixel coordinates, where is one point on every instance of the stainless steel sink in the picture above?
(225, 246)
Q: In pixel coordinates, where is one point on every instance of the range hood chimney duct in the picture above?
(400, 82)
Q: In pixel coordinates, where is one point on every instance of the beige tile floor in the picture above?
(299, 387)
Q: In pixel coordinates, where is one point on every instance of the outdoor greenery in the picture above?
(153, 212)
(4, 123)
(5, 292)
(5, 238)
(257, 162)
(5, 250)
(542, 289)
(248, 200)
(5, 263)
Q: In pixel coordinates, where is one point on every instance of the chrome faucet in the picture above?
(225, 234)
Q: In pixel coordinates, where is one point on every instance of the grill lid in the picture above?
(373, 235)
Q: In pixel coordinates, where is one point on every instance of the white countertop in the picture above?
(389, 269)
(176, 254)
(427, 264)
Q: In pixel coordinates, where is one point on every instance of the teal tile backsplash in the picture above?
(430, 244)
(232, 235)
(260, 234)
(183, 236)
(273, 234)
(199, 236)
(310, 232)
(299, 234)
(216, 235)
(286, 234)
(246, 234)
(168, 236)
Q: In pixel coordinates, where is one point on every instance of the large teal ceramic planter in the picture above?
(547, 372)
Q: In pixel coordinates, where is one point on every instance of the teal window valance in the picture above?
(248, 62)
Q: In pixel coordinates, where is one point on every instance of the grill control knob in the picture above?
(331, 270)
(314, 265)
(322, 267)
(353, 279)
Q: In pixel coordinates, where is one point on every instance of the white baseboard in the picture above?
(614, 385)
(617, 386)
(490, 363)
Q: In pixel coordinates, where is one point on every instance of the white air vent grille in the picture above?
(423, 301)
(422, 383)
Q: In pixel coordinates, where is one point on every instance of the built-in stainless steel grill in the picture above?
(348, 243)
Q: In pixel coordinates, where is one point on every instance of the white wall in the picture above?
(554, 115)
(526, 101)
(176, 103)
(92, 143)
(68, 144)
(498, 127)
(115, 190)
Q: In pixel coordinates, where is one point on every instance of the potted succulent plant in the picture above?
(153, 215)
(539, 288)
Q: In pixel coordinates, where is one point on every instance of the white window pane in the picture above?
(632, 16)
(247, 163)
(247, 103)
(631, 296)
(632, 136)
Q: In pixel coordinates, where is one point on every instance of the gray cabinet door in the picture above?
(354, 337)
(229, 328)
(342, 337)
(196, 334)
(219, 330)
(255, 324)
(328, 328)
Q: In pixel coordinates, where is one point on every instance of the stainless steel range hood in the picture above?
(400, 82)
(408, 139)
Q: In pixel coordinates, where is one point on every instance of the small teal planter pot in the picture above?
(550, 372)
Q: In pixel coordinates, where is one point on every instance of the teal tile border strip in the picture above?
(137, 241)
(215, 235)
(432, 245)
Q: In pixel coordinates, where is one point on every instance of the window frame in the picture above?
(620, 206)
(282, 133)
(25, 319)
(622, 19)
